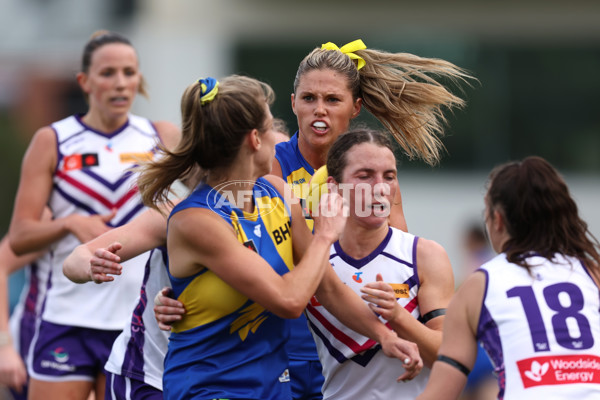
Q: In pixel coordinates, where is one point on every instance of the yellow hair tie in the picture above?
(349, 50)
(209, 89)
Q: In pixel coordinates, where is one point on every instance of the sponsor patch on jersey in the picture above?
(400, 290)
(250, 244)
(79, 161)
(136, 157)
(559, 370)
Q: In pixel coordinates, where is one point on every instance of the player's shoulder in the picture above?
(277, 182)
(45, 133)
(43, 142)
(169, 133)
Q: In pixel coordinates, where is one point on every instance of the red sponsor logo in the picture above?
(559, 370)
(79, 161)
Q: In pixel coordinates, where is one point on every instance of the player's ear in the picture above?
(254, 139)
(356, 108)
(82, 80)
(293, 97)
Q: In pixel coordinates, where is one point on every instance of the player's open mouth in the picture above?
(119, 99)
(319, 127)
(380, 210)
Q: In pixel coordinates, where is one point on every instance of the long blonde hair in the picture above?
(400, 90)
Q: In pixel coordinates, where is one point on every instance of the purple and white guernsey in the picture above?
(24, 317)
(541, 328)
(93, 177)
(353, 365)
(139, 352)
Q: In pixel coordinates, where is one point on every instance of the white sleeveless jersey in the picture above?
(139, 351)
(542, 330)
(93, 177)
(354, 366)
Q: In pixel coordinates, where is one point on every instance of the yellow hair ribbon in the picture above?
(349, 50)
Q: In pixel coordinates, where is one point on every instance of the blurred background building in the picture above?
(537, 63)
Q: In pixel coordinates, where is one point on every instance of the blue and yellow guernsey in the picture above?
(297, 172)
(228, 346)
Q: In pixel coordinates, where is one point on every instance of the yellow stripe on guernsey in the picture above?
(207, 298)
(276, 219)
(299, 181)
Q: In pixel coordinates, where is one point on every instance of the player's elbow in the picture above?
(74, 266)
(69, 271)
(18, 244)
(290, 308)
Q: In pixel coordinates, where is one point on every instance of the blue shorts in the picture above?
(306, 377)
(62, 353)
(119, 387)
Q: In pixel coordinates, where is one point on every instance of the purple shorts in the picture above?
(62, 353)
(120, 387)
(26, 332)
